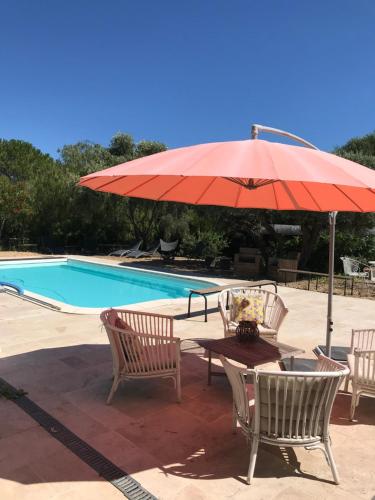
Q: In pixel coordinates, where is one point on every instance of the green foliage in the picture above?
(204, 244)
(40, 200)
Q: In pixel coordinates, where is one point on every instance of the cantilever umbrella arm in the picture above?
(255, 130)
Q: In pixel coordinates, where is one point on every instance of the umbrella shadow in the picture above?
(142, 430)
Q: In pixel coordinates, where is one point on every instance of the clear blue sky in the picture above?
(185, 72)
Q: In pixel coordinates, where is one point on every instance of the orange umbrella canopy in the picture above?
(244, 174)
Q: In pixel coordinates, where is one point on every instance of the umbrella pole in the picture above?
(331, 272)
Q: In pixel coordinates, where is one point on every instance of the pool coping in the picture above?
(62, 307)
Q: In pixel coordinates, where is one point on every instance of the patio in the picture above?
(175, 451)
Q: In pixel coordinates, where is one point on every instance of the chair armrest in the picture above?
(162, 339)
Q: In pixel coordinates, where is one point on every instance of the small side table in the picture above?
(251, 353)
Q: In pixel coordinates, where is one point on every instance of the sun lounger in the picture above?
(122, 252)
(144, 253)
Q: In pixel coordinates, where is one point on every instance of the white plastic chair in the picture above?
(142, 346)
(362, 366)
(353, 268)
(290, 408)
(274, 311)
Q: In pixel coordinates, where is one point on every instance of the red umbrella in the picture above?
(247, 174)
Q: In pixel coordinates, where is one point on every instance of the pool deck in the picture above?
(176, 451)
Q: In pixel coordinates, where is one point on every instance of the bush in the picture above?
(204, 244)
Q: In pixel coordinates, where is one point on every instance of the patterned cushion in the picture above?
(248, 307)
(131, 345)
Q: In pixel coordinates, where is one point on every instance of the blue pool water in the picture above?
(84, 284)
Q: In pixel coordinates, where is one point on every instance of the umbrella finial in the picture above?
(255, 129)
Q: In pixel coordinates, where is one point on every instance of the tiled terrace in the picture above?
(176, 451)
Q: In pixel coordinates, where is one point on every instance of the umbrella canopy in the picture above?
(249, 174)
(244, 174)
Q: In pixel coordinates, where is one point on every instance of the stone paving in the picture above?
(176, 451)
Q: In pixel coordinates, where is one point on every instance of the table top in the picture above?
(338, 352)
(251, 352)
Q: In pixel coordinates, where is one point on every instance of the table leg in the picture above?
(205, 308)
(188, 314)
(209, 368)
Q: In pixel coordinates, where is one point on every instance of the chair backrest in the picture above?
(289, 406)
(273, 306)
(351, 266)
(363, 348)
(364, 369)
(363, 339)
(296, 406)
(168, 246)
(132, 333)
(237, 379)
(136, 246)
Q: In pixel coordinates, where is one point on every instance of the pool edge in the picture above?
(62, 307)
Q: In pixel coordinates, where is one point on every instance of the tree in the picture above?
(20, 164)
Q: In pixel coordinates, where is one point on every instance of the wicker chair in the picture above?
(362, 366)
(290, 408)
(274, 311)
(142, 346)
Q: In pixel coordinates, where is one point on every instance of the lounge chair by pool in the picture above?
(122, 252)
(151, 252)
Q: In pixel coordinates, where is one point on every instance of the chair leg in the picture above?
(253, 458)
(354, 403)
(346, 386)
(178, 386)
(327, 446)
(234, 419)
(116, 381)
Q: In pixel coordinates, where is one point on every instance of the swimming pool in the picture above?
(90, 285)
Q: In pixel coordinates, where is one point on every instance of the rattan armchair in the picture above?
(290, 408)
(362, 366)
(143, 346)
(274, 311)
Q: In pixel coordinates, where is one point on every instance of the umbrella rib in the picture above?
(291, 195)
(172, 187)
(274, 192)
(205, 190)
(348, 197)
(140, 185)
(238, 196)
(109, 182)
(311, 196)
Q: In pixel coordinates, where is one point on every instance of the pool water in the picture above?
(84, 284)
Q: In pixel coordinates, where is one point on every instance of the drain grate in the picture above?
(130, 488)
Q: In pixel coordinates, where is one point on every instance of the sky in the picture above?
(185, 72)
